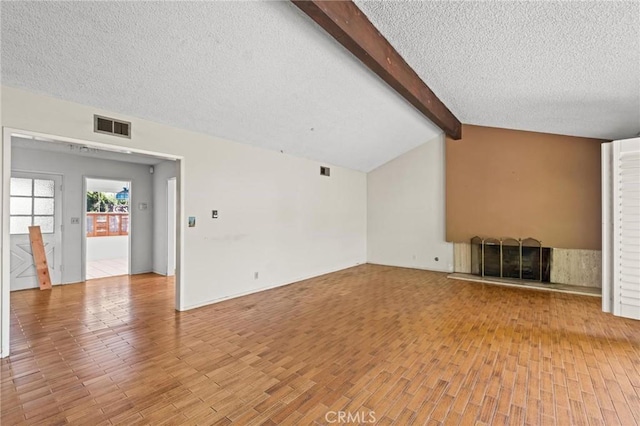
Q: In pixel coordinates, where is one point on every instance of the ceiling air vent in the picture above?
(325, 171)
(111, 126)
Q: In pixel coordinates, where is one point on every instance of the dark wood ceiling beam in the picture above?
(351, 28)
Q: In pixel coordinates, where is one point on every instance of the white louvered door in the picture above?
(625, 250)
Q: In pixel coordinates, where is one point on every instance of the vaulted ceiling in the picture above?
(563, 67)
(263, 73)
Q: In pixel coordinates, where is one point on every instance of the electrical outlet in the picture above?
(255, 275)
(214, 214)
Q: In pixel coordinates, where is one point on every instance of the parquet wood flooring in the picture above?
(404, 346)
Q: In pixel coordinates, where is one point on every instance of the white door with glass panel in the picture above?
(35, 200)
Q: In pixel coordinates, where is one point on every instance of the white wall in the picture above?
(100, 248)
(162, 172)
(278, 216)
(406, 211)
(74, 168)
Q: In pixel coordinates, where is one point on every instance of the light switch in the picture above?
(75, 220)
(214, 214)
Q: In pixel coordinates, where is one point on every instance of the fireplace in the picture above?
(510, 258)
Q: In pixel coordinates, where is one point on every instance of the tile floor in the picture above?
(107, 268)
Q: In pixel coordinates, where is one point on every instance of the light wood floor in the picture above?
(405, 346)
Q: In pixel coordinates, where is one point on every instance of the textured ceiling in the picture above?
(570, 67)
(260, 73)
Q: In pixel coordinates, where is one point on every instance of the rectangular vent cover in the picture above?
(111, 126)
(325, 171)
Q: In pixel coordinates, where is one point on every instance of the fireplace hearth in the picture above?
(522, 259)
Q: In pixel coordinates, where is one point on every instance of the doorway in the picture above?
(72, 245)
(107, 219)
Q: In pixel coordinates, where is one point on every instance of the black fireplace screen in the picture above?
(510, 258)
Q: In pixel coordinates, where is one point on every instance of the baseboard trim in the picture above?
(258, 290)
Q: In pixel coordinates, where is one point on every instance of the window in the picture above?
(32, 203)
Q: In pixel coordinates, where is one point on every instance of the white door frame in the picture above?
(171, 225)
(83, 271)
(5, 292)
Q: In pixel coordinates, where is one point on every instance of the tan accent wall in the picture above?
(512, 183)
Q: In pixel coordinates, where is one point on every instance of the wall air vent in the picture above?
(325, 171)
(111, 126)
